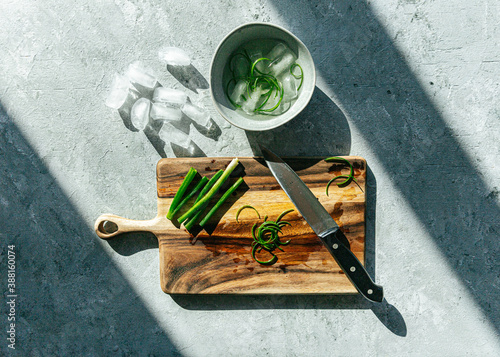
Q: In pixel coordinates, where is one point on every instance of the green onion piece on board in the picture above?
(197, 206)
(242, 208)
(209, 184)
(221, 201)
(348, 178)
(188, 224)
(180, 193)
(198, 187)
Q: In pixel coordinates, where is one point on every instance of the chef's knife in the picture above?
(323, 225)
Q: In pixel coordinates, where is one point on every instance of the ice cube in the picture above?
(140, 74)
(199, 115)
(250, 104)
(174, 56)
(139, 115)
(254, 55)
(277, 51)
(172, 97)
(169, 133)
(118, 92)
(283, 107)
(282, 63)
(238, 90)
(161, 111)
(289, 88)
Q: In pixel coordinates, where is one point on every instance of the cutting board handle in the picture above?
(123, 225)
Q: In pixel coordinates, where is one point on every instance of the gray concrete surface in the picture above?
(411, 86)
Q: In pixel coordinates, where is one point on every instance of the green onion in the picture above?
(198, 187)
(284, 214)
(221, 201)
(348, 178)
(208, 196)
(242, 208)
(189, 224)
(209, 184)
(300, 76)
(255, 63)
(266, 236)
(256, 249)
(178, 196)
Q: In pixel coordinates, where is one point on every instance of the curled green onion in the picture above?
(266, 236)
(348, 178)
(300, 76)
(242, 208)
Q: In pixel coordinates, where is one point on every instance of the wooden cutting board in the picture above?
(221, 262)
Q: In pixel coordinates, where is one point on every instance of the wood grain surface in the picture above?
(218, 260)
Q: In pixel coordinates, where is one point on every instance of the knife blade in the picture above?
(323, 225)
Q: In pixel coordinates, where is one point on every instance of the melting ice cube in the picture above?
(169, 96)
(238, 90)
(277, 51)
(174, 56)
(139, 115)
(250, 104)
(161, 111)
(282, 63)
(140, 74)
(199, 115)
(119, 91)
(255, 54)
(169, 133)
(289, 88)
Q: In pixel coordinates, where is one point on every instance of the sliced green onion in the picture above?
(189, 224)
(255, 63)
(180, 193)
(242, 208)
(221, 201)
(348, 178)
(283, 214)
(198, 187)
(266, 262)
(300, 76)
(209, 184)
(208, 196)
(266, 236)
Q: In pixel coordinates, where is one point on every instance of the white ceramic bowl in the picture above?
(234, 40)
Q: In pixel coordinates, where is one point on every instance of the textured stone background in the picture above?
(411, 86)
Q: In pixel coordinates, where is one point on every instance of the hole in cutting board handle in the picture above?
(107, 227)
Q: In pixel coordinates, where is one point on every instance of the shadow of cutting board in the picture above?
(221, 262)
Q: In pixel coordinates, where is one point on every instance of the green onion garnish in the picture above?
(348, 178)
(242, 208)
(266, 236)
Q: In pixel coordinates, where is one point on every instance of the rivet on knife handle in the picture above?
(352, 267)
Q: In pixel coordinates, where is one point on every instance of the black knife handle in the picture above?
(352, 267)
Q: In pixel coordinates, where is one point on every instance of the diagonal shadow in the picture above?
(73, 300)
(418, 150)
